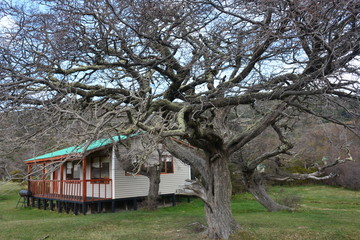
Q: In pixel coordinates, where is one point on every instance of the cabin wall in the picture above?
(123, 185)
(171, 181)
(126, 186)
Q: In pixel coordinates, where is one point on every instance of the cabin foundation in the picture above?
(101, 206)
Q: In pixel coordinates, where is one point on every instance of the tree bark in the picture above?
(221, 223)
(214, 188)
(153, 174)
(254, 184)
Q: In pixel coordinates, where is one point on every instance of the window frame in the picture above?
(72, 170)
(165, 157)
(100, 179)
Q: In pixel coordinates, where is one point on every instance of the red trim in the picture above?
(58, 158)
(43, 172)
(61, 180)
(77, 156)
(84, 178)
(183, 143)
(55, 177)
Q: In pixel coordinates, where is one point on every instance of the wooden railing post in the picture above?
(84, 180)
(43, 180)
(61, 180)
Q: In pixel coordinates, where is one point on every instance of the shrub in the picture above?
(347, 175)
(288, 199)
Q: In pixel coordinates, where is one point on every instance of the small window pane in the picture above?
(169, 167)
(96, 173)
(69, 165)
(105, 159)
(69, 170)
(96, 163)
(95, 168)
(77, 171)
(105, 170)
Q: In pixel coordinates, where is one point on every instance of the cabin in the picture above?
(91, 179)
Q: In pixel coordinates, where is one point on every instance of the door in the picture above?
(55, 182)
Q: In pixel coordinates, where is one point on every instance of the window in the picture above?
(100, 167)
(168, 164)
(73, 170)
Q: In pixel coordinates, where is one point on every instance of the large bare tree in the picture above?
(186, 62)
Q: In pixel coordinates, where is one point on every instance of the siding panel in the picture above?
(138, 186)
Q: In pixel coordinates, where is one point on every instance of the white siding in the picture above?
(170, 182)
(138, 186)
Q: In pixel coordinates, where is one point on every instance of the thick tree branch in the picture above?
(188, 155)
(194, 188)
(241, 139)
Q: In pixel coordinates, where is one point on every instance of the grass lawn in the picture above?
(324, 213)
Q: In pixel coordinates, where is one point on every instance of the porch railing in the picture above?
(72, 190)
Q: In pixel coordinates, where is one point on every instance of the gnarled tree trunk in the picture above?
(221, 223)
(214, 188)
(254, 184)
(153, 173)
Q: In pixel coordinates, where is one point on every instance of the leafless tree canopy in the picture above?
(185, 62)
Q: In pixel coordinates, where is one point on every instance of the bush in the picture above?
(347, 175)
(288, 199)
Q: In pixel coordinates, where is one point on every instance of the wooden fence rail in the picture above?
(72, 190)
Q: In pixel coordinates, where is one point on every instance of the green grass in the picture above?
(324, 213)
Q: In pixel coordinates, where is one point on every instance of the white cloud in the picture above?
(6, 23)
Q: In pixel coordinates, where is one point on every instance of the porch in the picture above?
(88, 190)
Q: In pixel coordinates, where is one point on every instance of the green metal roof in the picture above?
(79, 149)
